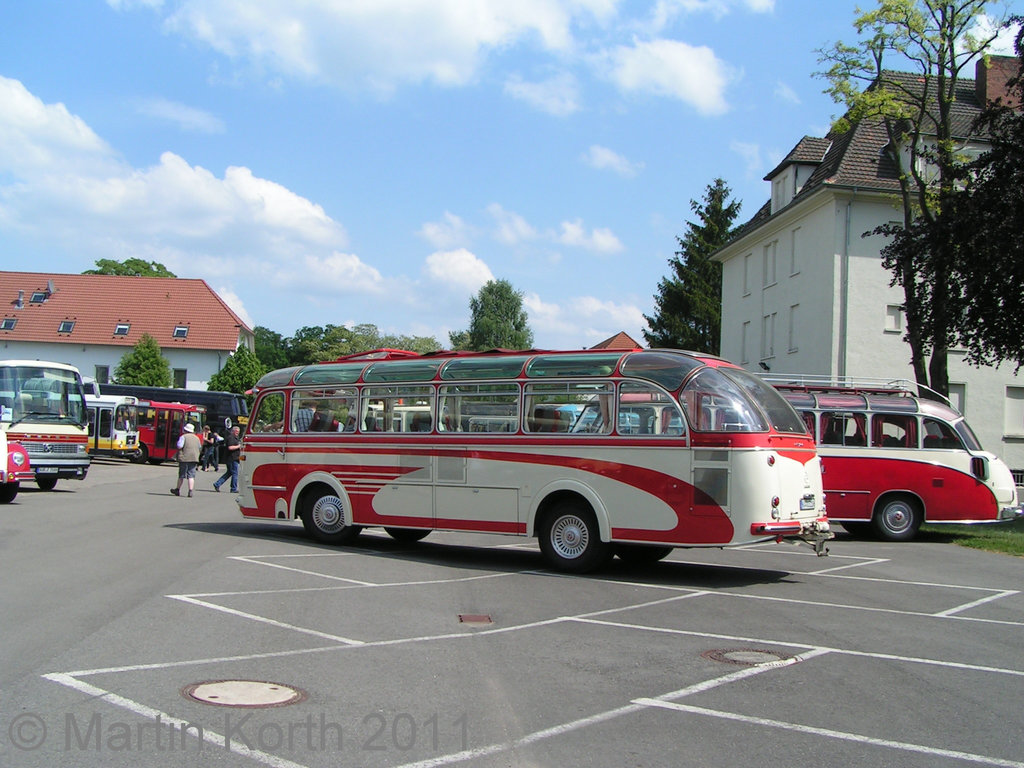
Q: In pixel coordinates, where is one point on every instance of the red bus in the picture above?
(160, 426)
(595, 453)
(892, 460)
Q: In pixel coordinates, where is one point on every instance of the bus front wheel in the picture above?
(408, 535)
(140, 456)
(325, 518)
(7, 492)
(897, 518)
(641, 554)
(570, 540)
(46, 483)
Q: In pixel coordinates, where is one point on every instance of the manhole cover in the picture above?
(749, 657)
(474, 618)
(243, 693)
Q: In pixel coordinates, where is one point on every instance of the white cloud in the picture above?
(600, 240)
(512, 228)
(232, 299)
(692, 74)
(751, 154)
(448, 232)
(583, 318)
(666, 11)
(785, 93)
(459, 269)
(379, 43)
(557, 96)
(336, 273)
(987, 26)
(603, 158)
(185, 117)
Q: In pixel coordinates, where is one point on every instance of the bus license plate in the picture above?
(806, 503)
(46, 470)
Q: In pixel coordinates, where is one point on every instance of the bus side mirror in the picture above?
(979, 467)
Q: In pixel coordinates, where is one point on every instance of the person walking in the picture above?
(208, 444)
(189, 446)
(232, 450)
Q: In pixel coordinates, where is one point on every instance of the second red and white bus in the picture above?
(595, 453)
(892, 460)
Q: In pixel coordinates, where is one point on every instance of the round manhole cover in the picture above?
(244, 693)
(749, 657)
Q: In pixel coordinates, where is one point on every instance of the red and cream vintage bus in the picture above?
(160, 426)
(596, 453)
(14, 468)
(892, 460)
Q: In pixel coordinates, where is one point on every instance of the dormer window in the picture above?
(180, 331)
(121, 329)
(66, 326)
(8, 323)
(38, 297)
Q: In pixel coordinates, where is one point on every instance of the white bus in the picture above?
(113, 425)
(42, 407)
(673, 450)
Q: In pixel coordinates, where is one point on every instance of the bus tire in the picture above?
(140, 456)
(407, 534)
(641, 554)
(570, 539)
(7, 492)
(897, 517)
(46, 483)
(324, 516)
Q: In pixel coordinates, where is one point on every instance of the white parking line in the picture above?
(976, 603)
(832, 734)
(302, 571)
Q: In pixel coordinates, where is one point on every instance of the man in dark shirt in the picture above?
(232, 449)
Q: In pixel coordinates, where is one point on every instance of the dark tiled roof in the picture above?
(809, 150)
(98, 303)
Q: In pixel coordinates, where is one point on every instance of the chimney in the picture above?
(990, 81)
(20, 303)
(49, 287)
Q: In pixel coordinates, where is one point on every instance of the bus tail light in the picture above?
(979, 467)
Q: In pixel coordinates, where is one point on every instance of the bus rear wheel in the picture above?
(325, 518)
(641, 554)
(570, 539)
(46, 483)
(7, 492)
(407, 534)
(140, 456)
(897, 518)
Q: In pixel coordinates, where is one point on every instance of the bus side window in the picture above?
(892, 430)
(844, 429)
(938, 434)
(808, 417)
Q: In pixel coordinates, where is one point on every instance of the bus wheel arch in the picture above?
(897, 516)
(325, 512)
(8, 492)
(569, 533)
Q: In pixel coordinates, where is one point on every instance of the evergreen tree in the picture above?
(688, 305)
(497, 320)
(144, 365)
(242, 370)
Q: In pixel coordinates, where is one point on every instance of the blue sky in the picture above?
(377, 161)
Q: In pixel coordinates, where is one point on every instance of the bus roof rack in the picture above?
(853, 385)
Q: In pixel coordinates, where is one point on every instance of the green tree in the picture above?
(241, 371)
(145, 365)
(984, 223)
(497, 320)
(688, 305)
(312, 344)
(936, 38)
(130, 268)
(271, 348)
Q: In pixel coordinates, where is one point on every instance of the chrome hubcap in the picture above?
(569, 537)
(328, 514)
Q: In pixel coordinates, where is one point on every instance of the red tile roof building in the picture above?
(621, 340)
(91, 321)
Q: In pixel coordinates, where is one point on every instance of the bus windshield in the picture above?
(38, 393)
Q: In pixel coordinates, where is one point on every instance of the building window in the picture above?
(180, 377)
(745, 343)
(769, 263)
(793, 312)
(768, 336)
(38, 297)
(66, 326)
(102, 374)
(8, 324)
(1013, 412)
(746, 274)
(180, 331)
(894, 318)
(958, 396)
(121, 329)
(794, 262)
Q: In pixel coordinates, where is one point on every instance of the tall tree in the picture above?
(497, 320)
(937, 39)
(688, 305)
(130, 268)
(270, 347)
(241, 371)
(984, 223)
(145, 365)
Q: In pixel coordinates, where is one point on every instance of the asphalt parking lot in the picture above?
(122, 601)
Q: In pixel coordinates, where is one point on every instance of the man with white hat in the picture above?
(189, 447)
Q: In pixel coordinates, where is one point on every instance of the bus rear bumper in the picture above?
(813, 532)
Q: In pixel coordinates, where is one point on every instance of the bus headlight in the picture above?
(18, 459)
